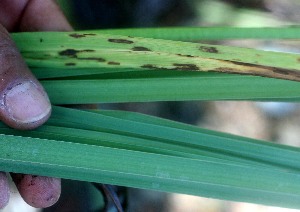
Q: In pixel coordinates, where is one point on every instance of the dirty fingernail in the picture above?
(25, 103)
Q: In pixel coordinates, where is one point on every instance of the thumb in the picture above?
(23, 102)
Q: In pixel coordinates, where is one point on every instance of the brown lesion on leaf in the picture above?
(239, 72)
(260, 70)
(271, 69)
(76, 35)
(176, 67)
(234, 71)
(73, 53)
(141, 48)
(287, 74)
(116, 40)
(244, 64)
(234, 67)
(113, 63)
(185, 55)
(149, 66)
(209, 49)
(186, 67)
(41, 40)
(281, 71)
(70, 64)
(155, 67)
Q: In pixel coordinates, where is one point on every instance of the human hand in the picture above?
(23, 102)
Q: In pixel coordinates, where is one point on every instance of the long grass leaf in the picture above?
(96, 50)
(194, 86)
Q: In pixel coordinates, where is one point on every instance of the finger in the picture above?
(32, 15)
(4, 190)
(23, 101)
(41, 15)
(38, 191)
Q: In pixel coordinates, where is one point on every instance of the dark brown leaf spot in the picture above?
(140, 48)
(236, 71)
(186, 67)
(149, 66)
(125, 41)
(70, 64)
(69, 53)
(243, 64)
(73, 53)
(281, 71)
(41, 40)
(76, 35)
(185, 55)
(113, 63)
(209, 49)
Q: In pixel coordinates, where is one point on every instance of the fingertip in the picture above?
(26, 106)
(23, 102)
(4, 190)
(38, 191)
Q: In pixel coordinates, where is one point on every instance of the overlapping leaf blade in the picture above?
(233, 171)
(111, 68)
(98, 50)
(194, 86)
